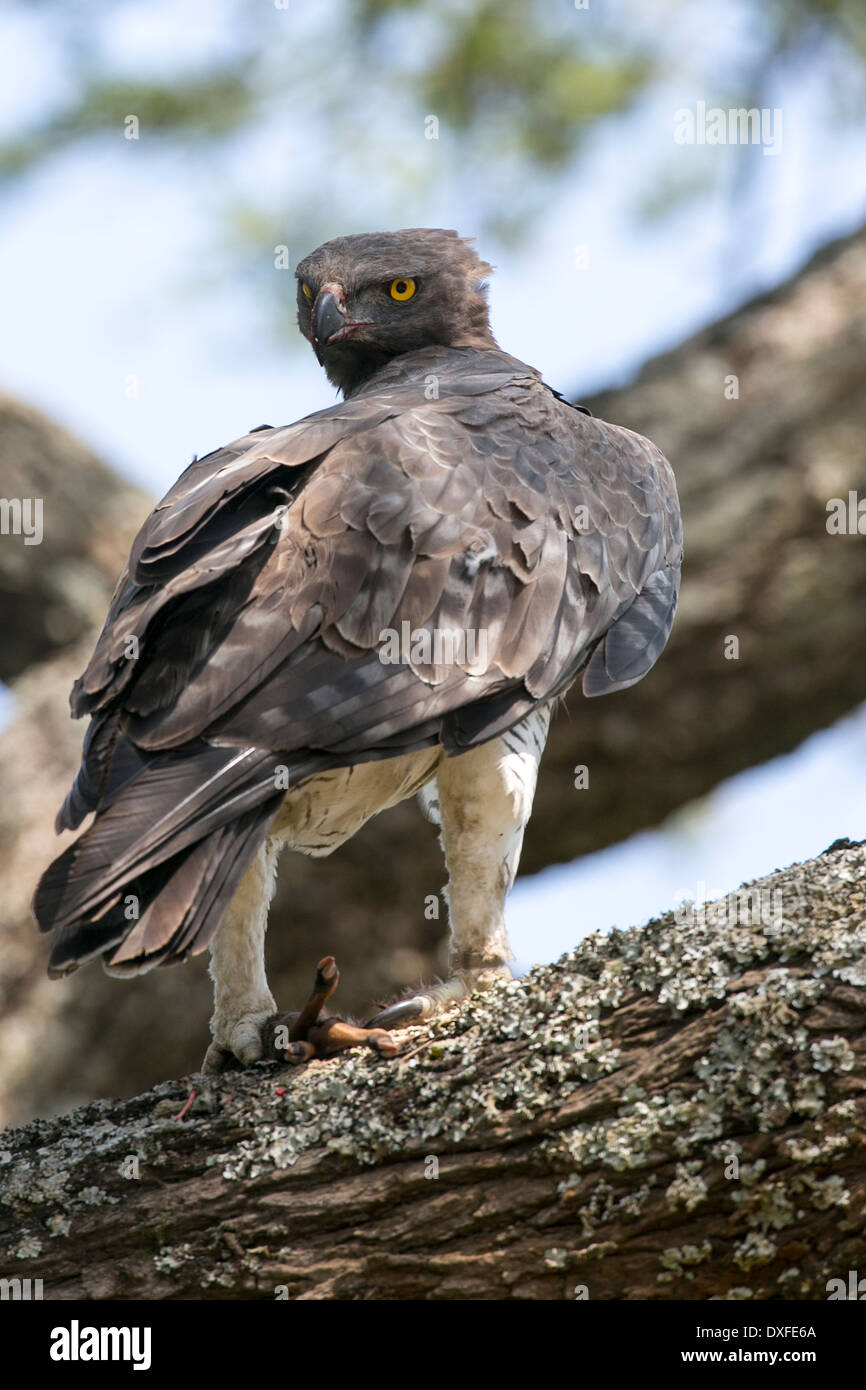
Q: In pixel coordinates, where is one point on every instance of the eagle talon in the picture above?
(398, 1015)
(437, 998)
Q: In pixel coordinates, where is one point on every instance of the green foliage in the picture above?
(206, 108)
(340, 96)
(518, 76)
(529, 69)
(524, 79)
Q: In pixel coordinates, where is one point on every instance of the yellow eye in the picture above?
(402, 289)
(308, 293)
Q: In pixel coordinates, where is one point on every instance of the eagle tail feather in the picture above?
(170, 913)
(148, 882)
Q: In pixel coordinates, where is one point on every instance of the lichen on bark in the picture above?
(672, 1111)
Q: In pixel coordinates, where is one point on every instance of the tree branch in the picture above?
(675, 1111)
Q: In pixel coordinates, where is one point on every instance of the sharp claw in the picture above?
(405, 1011)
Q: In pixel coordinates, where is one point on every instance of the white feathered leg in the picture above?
(482, 801)
(242, 999)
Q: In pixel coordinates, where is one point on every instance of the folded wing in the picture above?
(504, 541)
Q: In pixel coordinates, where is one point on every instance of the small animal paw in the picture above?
(297, 1037)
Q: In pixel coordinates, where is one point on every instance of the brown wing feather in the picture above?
(256, 593)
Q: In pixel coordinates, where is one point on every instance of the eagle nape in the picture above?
(301, 1036)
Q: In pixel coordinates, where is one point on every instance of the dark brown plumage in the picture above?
(450, 489)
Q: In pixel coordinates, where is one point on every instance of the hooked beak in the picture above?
(328, 317)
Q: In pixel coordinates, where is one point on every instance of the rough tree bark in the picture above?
(755, 474)
(675, 1111)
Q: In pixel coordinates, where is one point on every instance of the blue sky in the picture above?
(771, 816)
(102, 253)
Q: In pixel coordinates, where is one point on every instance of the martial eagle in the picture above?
(269, 674)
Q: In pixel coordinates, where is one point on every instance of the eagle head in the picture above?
(365, 299)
